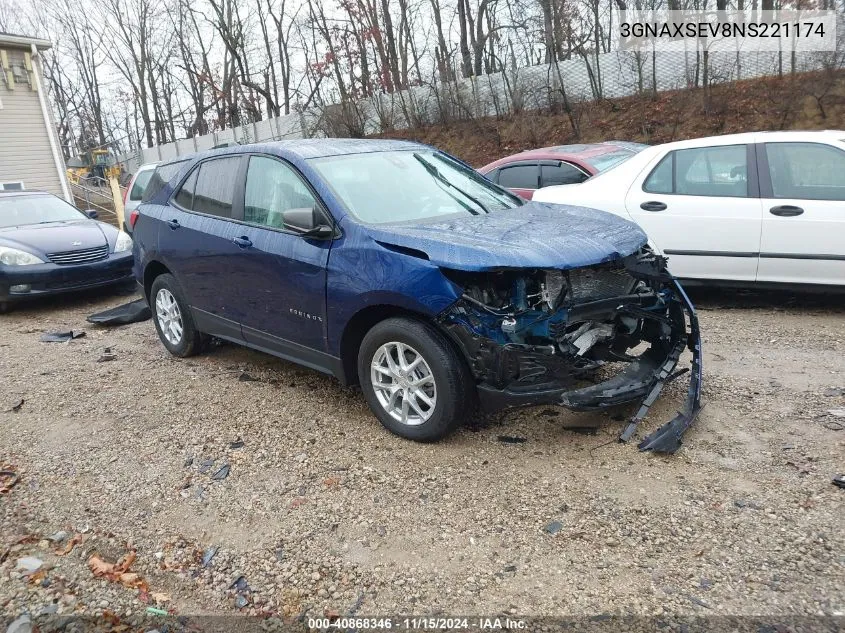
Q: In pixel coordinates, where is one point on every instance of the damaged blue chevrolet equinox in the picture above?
(397, 267)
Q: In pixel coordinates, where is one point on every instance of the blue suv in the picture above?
(397, 267)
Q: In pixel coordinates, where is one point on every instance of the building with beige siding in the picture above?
(30, 156)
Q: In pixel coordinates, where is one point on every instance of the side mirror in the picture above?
(308, 222)
(91, 214)
(320, 232)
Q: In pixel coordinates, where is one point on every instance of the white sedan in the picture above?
(762, 207)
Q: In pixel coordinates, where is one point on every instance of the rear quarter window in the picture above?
(162, 176)
(140, 184)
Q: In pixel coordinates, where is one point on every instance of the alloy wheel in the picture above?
(169, 316)
(403, 383)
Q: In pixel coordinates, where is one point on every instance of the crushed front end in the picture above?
(585, 338)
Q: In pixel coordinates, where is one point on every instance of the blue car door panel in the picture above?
(197, 235)
(281, 273)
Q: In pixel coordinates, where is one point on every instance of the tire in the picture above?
(5, 307)
(187, 342)
(441, 378)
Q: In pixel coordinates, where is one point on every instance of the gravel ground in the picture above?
(324, 512)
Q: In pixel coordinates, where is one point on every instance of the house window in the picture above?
(11, 186)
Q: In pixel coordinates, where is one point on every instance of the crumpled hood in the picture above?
(56, 237)
(535, 235)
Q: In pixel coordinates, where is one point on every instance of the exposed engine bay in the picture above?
(552, 337)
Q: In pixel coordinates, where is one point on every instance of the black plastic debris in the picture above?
(551, 413)
(209, 554)
(698, 601)
(242, 592)
(61, 337)
(238, 443)
(205, 466)
(132, 312)
(241, 601)
(742, 503)
(582, 430)
(245, 377)
(221, 474)
(839, 481)
(511, 439)
(553, 528)
(240, 584)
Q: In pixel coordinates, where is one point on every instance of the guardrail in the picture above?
(95, 199)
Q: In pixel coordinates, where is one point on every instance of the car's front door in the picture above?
(196, 240)
(282, 273)
(803, 191)
(700, 207)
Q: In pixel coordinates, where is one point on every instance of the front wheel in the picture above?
(414, 381)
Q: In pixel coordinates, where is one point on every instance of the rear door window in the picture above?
(712, 171)
(520, 176)
(215, 187)
(717, 172)
(563, 174)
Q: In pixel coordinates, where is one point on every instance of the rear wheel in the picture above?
(172, 318)
(414, 381)
(5, 306)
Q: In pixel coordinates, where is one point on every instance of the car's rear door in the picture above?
(803, 192)
(282, 273)
(700, 206)
(196, 241)
(560, 172)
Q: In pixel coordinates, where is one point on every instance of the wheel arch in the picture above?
(151, 271)
(367, 318)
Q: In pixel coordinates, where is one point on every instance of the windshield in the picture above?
(603, 162)
(21, 210)
(404, 186)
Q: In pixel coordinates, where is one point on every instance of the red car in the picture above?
(534, 169)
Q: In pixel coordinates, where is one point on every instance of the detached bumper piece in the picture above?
(586, 339)
(667, 439)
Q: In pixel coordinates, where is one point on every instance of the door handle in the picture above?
(653, 205)
(243, 241)
(173, 224)
(786, 211)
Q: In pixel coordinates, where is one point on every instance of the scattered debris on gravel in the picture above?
(236, 483)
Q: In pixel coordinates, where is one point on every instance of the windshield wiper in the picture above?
(431, 169)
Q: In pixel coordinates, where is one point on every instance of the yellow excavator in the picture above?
(93, 167)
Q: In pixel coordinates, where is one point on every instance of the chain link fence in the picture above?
(539, 88)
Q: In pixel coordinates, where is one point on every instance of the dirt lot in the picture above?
(323, 511)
